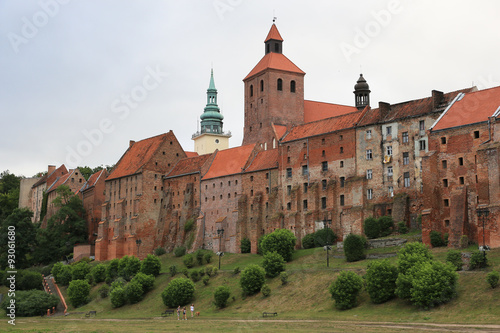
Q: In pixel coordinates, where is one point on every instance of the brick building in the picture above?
(39, 188)
(92, 195)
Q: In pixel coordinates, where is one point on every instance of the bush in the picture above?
(151, 265)
(179, 291)
(402, 228)
(189, 225)
(284, 278)
(211, 270)
(134, 291)
(345, 289)
(112, 270)
(56, 269)
(160, 251)
(188, 260)
(245, 246)
(179, 251)
(265, 290)
(371, 227)
(119, 282)
(386, 225)
(103, 291)
(205, 280)
(128, 267)
(493, 278)
(436, 239)
(445, 239)
(98, 273)
(308, 241)
(411, 254)
(146, 281)
(478, 260)
(354, 248)
(78, 292)
(29, 280)
(195, 276)
(199, 257)
(273, 264)
(237, 270)
(30, 303)
(221, 296)
(118, 297)
(259, 244)
(173, 270)
(252, 279)
(201, 272)
(185, 272)
(324, 237)
(454, 257)
(281, 241)
(79, 270)
(64, 275)
(208, 257)
(381, 281)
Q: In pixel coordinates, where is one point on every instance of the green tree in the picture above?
(188, 260)
(273, 264)
(245, 245)
(252, 278)
(179, 291)
(112, 270)
(9, 193)
(151, 265)
(324, 237)
(308, 241)
(371, 227)
(354, 248)
(221, 295)
(28, 280)
(31, 303)
(281, 241)
(80, 270)
(98, 273)
(134, 291)
(380, 280)
(345, 289)
(454, 257)
(492, 279)
(118, 297)
(146, 281)
(411, 255)
(78, 292)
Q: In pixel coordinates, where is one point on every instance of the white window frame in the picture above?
(369, 194)
(388, 150)
(369, 174)
(369, 154)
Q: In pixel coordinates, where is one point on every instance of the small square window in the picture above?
(476, 134)
(324, 184)
(342, 200)
(369, 154)
(305, 170)
(443, 140)
(289, 189)
(460, 161)
(445, 182)
(288, 206)
(369, 174)
(369, 194)
(389, 171)
(446, 223)
(446, 202)
(323, 203)
(341, 164)
(368, 134)
(421, 125)
(461, 180)
(304, 204)
(341, 150)
(342, 181)
(444, 164)
(388, 130)
(323, 153)
(305, 186)
(422, 144)
(388, 150)
(406, 158)
(288, 172)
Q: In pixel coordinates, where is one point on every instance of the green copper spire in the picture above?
(211, 119)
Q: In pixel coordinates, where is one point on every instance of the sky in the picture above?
(79, 79)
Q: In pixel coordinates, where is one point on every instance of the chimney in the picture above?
(70, 171)
(437, 99)
(384, 108)
(131, 143)
(51, 169)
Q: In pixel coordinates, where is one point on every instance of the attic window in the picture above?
(276, 47)
(170, 142)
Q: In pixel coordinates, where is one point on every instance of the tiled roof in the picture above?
(280, 130)
(274, 61)
(191, 154)
(93, 179)
(408, 109)
(474, 107)
(189, 165)
(266, 159)
(138, 155)
(229, 161)
(273, 34)
(318, 110)
(62, 169)
(60, 181)
(323, 126)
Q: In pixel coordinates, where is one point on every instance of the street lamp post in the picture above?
(138, 242)
(220, 233)
(327, 246)
(483, 215)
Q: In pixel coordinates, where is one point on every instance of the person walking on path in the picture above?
(184, 312)
(192, 310)
(178, 312)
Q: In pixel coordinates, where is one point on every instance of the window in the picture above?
(406, 158)
(267, 190)
(445, 182)
(341, 137)
(292, 86)
(444, 164)
(443, 140)
(288, 172)
(405, 137)
(388, 150)
(288, 205)
(251, 179)
(391, 191)
(389, 171)
(324, 184)
(323, 141)
(288, 159)
(236, 182)
(304, 204)
(369, 174)
(369, 194)
(323, 203)
(261, 85)
(422, 144)
(407, 179)
(460, 161)
(342, 181)
(341, 150)
(388, 130)
(476, 134)
(305, 186)
(251, 90)
(446, 202)
(341, 164)
(447, 223)
(421, 125)
(324, 166)
(342, 200)
(305, 170)
(289, 189)
(369, 154)
(461, 180)
(323, 153)
(280, 84)
(368, 134)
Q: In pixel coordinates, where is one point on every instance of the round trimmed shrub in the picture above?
(411, 254)
(56, 269)
(402, 228)
(478, 260)
(160, 251)
(454, 257)
(188, 260)
(324, 237)
(265, 290)
(180, 251)
(208, 257)
(173, 270)
(78, 292)
(245, 245)
(151, 265)
(281, 241)
(354, 248)
(371, 227)
(211, 270)
(308, 241)
(436, 239)
(199, 254)
(273, 264)
(493, 278)
(146, 281)
(103, 291)
(205, 280)
(179, 291)
(284, 278)
(386, 225)
(79, 270)
(98, 273)
(221, 296)
(380, 280)
(134, 291)
(112, 270)
(195, 276)
(118, 297)
(29, 280)
(64, 275)
(345, 290)
(252, 279)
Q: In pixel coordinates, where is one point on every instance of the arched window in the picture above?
(251, 90)
(292, 86)
(261, 85)
(280, 84)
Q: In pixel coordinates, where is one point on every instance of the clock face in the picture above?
(216, 140)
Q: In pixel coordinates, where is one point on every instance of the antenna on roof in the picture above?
(274, 16)
(360, 68)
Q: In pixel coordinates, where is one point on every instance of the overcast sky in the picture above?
(79, 79)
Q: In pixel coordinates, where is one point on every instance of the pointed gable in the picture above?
(94, 179)
(229, 161)
(273, 34)
(274, 61)
(189, 165)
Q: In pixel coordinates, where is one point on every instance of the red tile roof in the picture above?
(191, 153)
(273, 34)
(474, 107)
(138, 155)
(318, 110)
(279, 130)
(93, 179)
(60, 181)
(61, 170)
(267, 159)
(274, 61)
(323, 126)
(189, 165)
(229, 161)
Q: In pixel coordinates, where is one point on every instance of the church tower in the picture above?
(211, 136)
(362, 93)
(274, 94)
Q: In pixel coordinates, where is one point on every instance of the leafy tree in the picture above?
(478, 260)
(87, 171)
(179, 291)
(324, 237)
(195, 276)
(112, 270)
(199, 256)
(9, 193)
(146, 281)
(21, 232)
(412, 254)
(386, 225)
(173, 270)
(103, 291)
(252, 278)
(28, 280)
(205, 280)
(402, 228)
(78, 292)
(80, 270)
(354, 248)
(245, 245)
(221, 296)
(31, 303)
(134, 292)
(98, 273)
(273, 264)
(128, 267)
(265, 290)
(436, 239)
(281, 241)
(208, 256)
(308, 241)
(380, 280)
(454, 257)
(371, 227)
(188, 260)
(151, 265)
(64, 275)
(118, 297)
(160, 251)
(493, 278)
(345, 289)
(284, 278)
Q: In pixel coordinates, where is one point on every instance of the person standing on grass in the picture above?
(184, 312)
(178, 312)
(192, 310)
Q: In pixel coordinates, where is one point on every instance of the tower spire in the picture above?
(362, 93)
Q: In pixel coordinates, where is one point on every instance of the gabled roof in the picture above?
(472, 108)
(323, 126)
(137, 155)
(273, 34)
(62, 169)
(191, 154)
(279, 130)
(188, 165)
(266, 159)
(274, 61)
(229, 161)
(93, 179)
(319, 110)
(60, 181)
